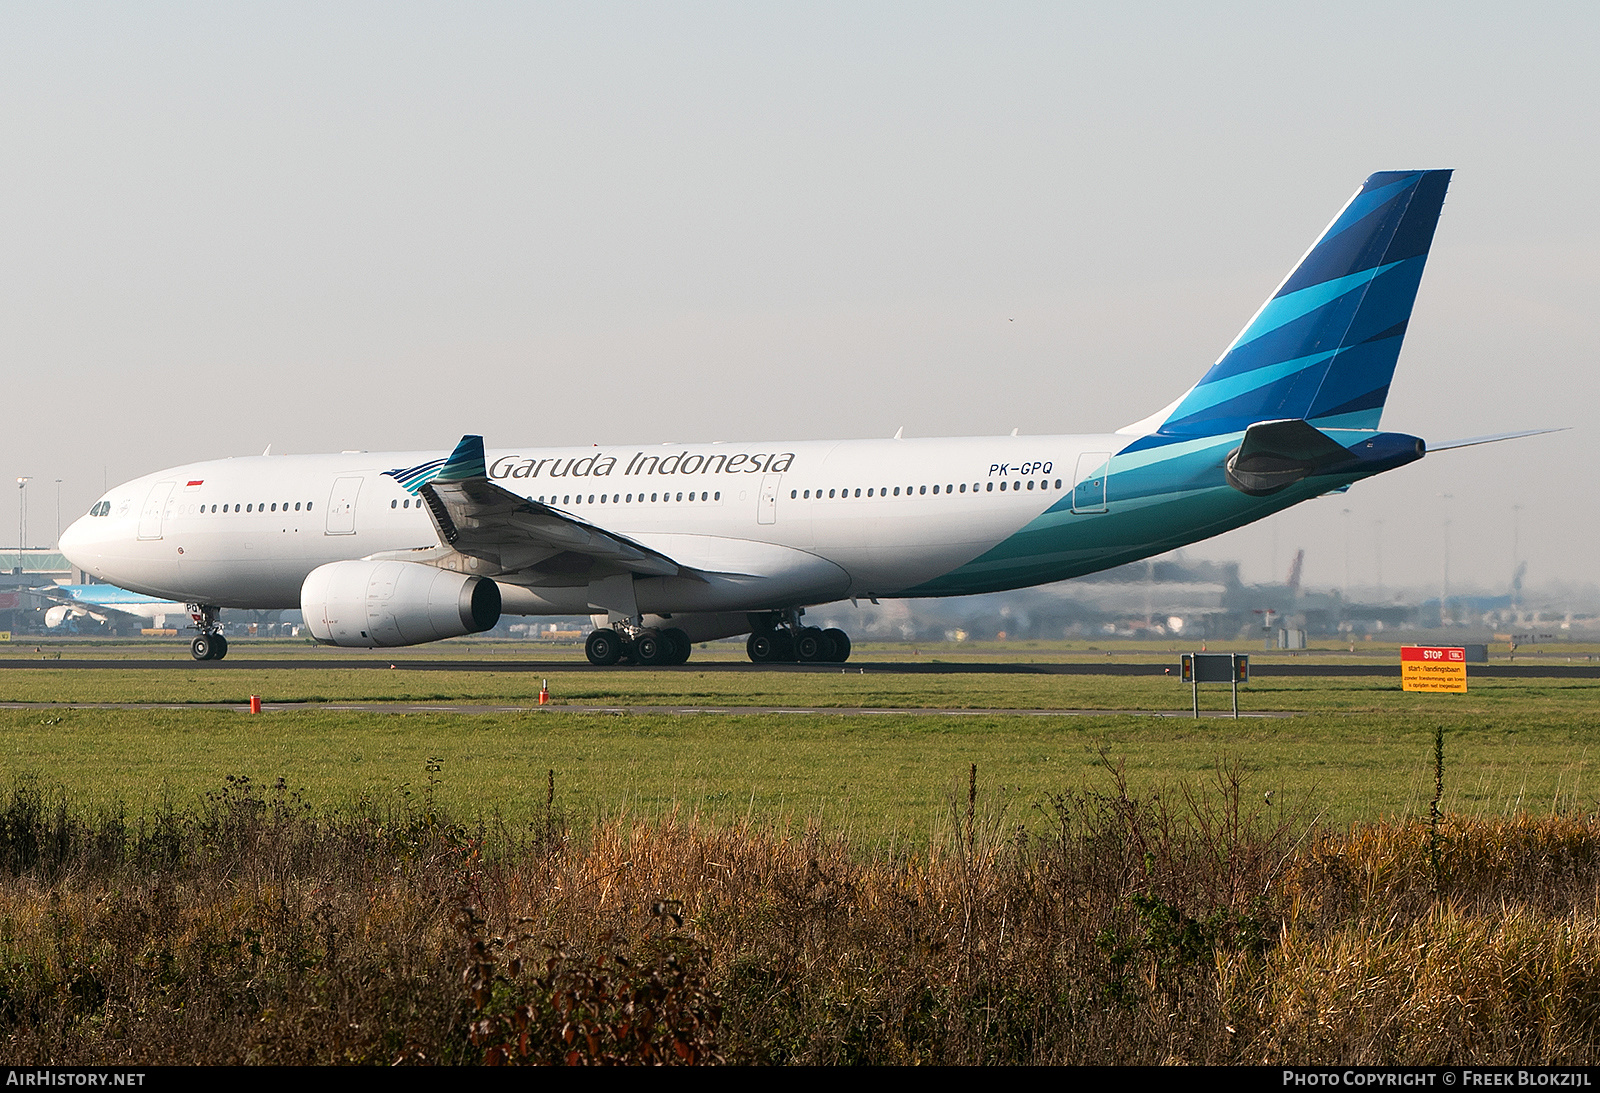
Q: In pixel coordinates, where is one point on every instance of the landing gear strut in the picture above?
(210, 644)
(787, 640)
(629, 643)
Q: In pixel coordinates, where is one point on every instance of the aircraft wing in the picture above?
(511, 534)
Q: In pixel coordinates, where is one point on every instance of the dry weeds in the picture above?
(1187, 927)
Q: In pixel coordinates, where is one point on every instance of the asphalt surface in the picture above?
(1085, 668)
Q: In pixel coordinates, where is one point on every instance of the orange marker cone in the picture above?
(544, 692)
(255, 703)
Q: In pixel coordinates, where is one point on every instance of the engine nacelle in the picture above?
(380, 604)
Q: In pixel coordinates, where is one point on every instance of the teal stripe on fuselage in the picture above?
(1157, 500)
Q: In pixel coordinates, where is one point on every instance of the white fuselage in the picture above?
(834, 518)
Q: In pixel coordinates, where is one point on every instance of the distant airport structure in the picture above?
(1160, 599)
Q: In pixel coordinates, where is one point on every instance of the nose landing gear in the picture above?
(210, 644)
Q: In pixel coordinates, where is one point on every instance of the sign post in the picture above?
(1440, 670)
(1201, 668)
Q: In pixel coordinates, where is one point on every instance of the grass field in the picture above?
(1356, 749)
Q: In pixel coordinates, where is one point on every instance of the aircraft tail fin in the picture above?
(1323, 348)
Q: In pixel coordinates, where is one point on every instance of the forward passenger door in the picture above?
(155, 507)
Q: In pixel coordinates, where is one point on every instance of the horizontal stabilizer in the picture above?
(1277, 454)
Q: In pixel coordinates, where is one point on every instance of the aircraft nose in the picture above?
(78, 541)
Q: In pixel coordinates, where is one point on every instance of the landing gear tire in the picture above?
(840, 642)
(209, 647)
(762, 646)
(650, 651)
(811, 645)
(604, 647)
(681, 645)
(808, 645)
(770, 646)
(785, 643)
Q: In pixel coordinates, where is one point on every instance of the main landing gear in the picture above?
(805, 644)
(210, 645)
(629, 644)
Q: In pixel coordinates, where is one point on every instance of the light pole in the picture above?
(1444, 591)
(1516, 590)
(22, 516)
(58, 512)
(1344, 592)
(1377, 554)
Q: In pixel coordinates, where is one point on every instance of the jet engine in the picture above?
(378, 604)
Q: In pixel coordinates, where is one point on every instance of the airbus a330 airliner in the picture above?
(673, 544)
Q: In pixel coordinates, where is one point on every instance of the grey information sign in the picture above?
(1201, 668)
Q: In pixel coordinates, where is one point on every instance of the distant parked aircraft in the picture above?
(108, 603)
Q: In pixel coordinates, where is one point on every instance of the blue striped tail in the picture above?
(1324, 347)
